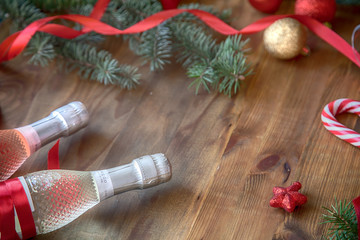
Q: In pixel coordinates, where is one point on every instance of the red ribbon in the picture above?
(53, 156)
(15, 44)
(12, 195)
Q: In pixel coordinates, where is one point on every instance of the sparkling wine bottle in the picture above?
(57, 197)
(16, 145)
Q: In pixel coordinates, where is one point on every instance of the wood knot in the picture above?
(268, 162)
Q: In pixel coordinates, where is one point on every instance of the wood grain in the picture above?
(227, 153)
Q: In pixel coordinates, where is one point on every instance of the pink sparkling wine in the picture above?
(14, 149)
(16, 145)
(57, 197)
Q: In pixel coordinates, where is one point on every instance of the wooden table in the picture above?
(227, 153)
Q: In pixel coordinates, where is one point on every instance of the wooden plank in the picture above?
(227, 153)
(279, 139)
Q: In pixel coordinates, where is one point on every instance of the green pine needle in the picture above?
(98, 65)
(203, 75)
(342, 218)
(230, 65)
(21, 12)
(156, 47)
(192, 44)
(41, 50)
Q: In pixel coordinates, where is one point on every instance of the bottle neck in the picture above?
(61, 122)
(117, 180)
(143, 172)
(51, 128)
(44, 131)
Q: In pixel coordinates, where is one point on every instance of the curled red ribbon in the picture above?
(16, 43)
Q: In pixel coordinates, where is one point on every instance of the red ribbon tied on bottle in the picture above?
(16, 43)
(13, 195)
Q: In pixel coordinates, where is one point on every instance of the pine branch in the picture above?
(223, 15)
(222, 65)
(98, 65)
(192, 44)
(21, 12)
(156, 47)
(342, 218)
(41, 50)
(230, 65)
(203, 75)
(126, 13)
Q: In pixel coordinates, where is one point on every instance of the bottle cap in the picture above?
(74, 116)
(154, 169)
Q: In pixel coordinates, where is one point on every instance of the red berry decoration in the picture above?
(288, 198)
(266, 6)
(322, 10)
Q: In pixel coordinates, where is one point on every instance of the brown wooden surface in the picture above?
(227, 153)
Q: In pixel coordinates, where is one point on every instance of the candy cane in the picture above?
(337, 107)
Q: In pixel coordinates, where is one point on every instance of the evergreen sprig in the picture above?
(21, 12)
(98, 65)
(160, 50)
(342, 218)
(212, 64)
(41, 50)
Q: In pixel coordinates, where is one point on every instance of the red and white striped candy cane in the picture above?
(337, 107)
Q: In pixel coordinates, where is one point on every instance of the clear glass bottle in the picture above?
(16, 145)
(57, 197)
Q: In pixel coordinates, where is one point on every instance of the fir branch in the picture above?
(41, 50)
(223, 15)
(342, 218)
(203, 75)
(21, 12)
(98, 65)
(156, 47)
(222, 65)
(230, 65)
(128, 12)
(192, 44)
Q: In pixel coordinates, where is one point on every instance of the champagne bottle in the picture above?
(57, 197)
(16, 145)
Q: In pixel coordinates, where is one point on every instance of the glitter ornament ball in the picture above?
(322, 10)
(266, 6)
(285, 38)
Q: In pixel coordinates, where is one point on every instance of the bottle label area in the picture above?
(104, 184)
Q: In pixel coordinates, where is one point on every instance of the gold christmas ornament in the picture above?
(285, 38)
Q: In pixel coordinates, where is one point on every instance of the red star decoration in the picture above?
(288, 198)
